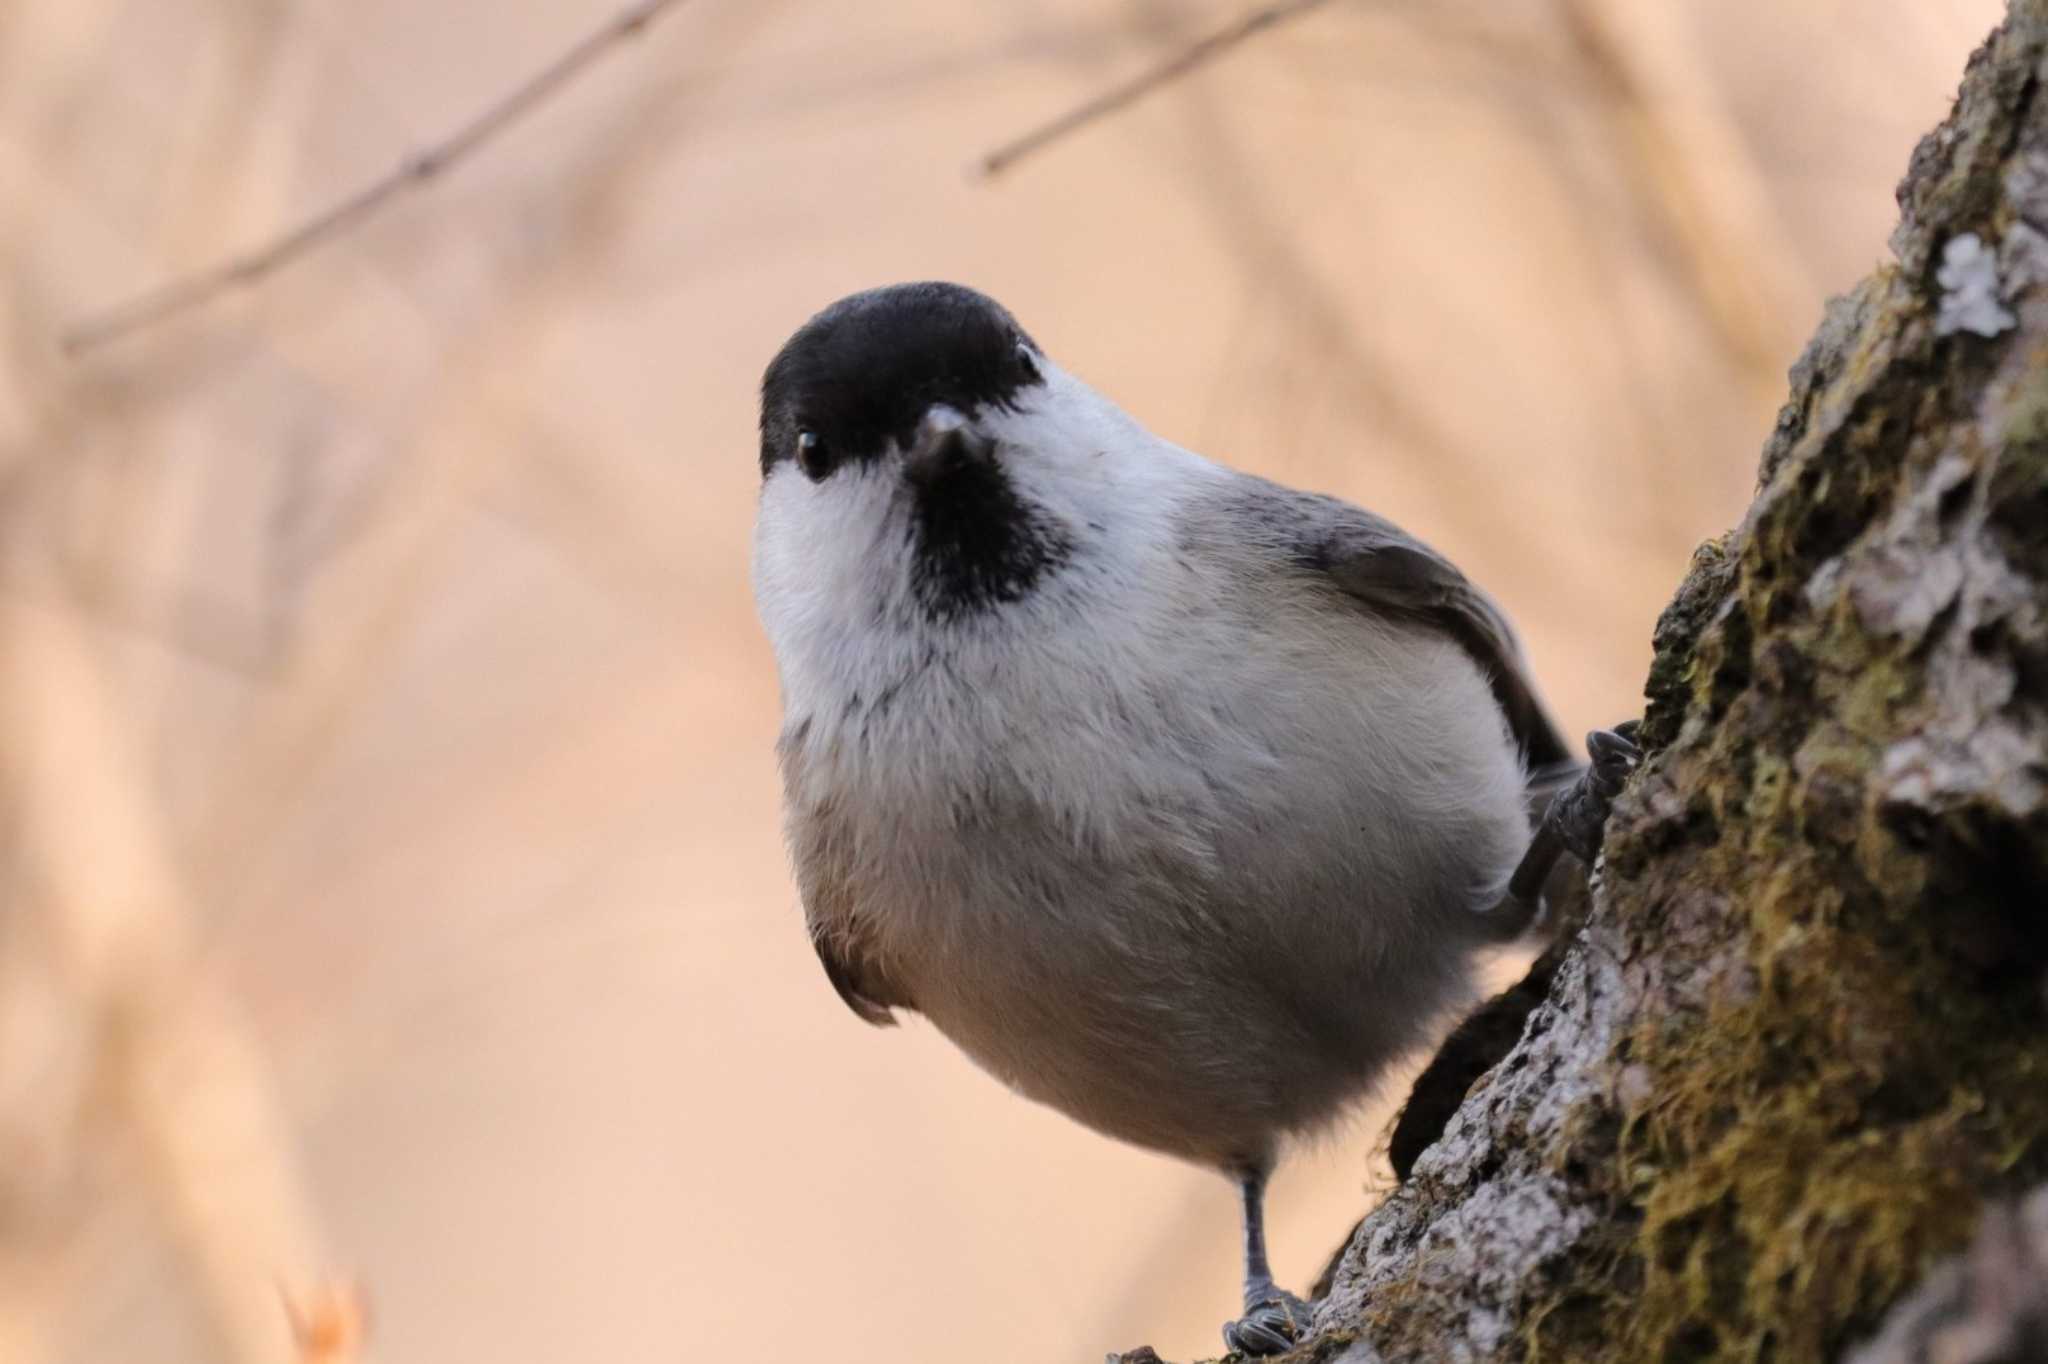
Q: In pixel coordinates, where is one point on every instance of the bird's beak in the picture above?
(942, 442)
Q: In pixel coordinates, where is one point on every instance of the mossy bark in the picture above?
(1800, 1040)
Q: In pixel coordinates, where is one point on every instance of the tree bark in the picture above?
(1799, 1042)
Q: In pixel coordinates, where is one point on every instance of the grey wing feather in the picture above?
(1389, 570)
(846, 977)
(819, 846)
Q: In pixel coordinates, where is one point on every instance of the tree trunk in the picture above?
(1800, 1040)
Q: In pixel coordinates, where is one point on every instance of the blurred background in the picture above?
(398, 957)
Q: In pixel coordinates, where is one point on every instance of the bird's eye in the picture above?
(811, 456)
(1030, 361)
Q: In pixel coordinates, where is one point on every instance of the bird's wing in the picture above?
(850, 977)
(1391, 572)
(820, 846)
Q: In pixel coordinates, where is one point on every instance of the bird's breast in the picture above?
(1105, 863)
(1208, 758)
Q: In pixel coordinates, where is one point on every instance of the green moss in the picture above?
(1799, 1168)
(1796, 1169)
(1829, 1102)
(1827, 1072)
(1959, 181)
(1675, 665)
(2018, 489)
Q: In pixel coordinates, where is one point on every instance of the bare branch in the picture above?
(191, 291)
(1196, 54)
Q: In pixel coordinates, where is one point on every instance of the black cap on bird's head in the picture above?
(911, 374)
(867, 371)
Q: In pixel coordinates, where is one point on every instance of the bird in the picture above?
(1179, 800)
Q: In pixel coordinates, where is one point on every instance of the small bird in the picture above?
(1179, 800)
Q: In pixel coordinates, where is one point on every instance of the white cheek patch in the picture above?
(831, 560)
(807, 539)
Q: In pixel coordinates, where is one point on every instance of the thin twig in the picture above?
(182, 295)
(1196, 54)
(175, 1059)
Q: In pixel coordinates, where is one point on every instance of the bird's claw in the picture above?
(1579, 814)
(1268, 1328)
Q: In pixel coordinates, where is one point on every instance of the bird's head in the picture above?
(919, 451)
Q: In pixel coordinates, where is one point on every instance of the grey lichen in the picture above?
(1490, 1193)
(1970, 289)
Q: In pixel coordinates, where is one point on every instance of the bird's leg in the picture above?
(1274, 1320)
(1577, 819)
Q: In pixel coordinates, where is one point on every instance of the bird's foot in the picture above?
(1274, 1324)
(1579, 814)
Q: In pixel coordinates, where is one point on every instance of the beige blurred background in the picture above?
(392, 910)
